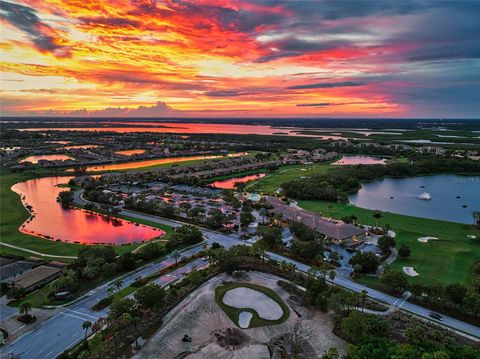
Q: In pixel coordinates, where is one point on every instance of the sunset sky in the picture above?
(207, 58)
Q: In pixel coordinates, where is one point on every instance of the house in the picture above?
(37, 277)
(337, 231)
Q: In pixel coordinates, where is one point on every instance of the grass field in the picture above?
(447, 260)
(13, 214)
(271, 182)
(256, 321)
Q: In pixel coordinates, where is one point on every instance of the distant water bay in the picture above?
(444, 190)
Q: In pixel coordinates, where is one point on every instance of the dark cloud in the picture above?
(323, 85)
(25, 19)
(320, 104)
(226, 93)
(109, 21)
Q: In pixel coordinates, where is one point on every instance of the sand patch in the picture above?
(427, 239)
(410, 271)
(243, 297)
(471, 236)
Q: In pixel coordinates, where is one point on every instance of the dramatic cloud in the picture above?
(25, 19)
(240, 58)
(326, 85)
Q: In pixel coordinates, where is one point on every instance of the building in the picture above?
(337, 231)
(37, 277)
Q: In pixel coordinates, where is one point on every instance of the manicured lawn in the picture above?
(271, 182)
(13, 214)
(447, 260)
(256, 321)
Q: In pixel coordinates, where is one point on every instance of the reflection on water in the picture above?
(156, 162)
(130, 152)
(399, 195)
(49, 220)
(81, 147)
(359, 160)
(229, 183)
(35, 159)
(171, 127)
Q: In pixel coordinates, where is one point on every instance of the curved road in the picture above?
(341, 279)
(64, 330)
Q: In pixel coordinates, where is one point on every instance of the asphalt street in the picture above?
(64, 330)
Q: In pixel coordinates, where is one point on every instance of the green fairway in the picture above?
(447, 260)
(272, 182)
(256, 321)
(13, 214)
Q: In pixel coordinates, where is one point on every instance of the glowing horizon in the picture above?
(232, 58)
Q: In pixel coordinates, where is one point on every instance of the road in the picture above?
(64, 330)
(342, 278)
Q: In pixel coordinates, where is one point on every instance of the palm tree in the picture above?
(476, 218)
(363, 298)
(377, 215)
(86, 325)
(118, 284)
(332, 274)
(330, 208)
(176, 256)
(25, 308)
(110, 291)
(264, 213)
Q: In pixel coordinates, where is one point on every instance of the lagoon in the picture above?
(444, 190)
(50, 221)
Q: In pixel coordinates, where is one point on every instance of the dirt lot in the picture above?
(213, 333)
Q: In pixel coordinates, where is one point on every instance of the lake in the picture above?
(155, 162)
(130, 152)
(443, 189)
(195, 128)
(52, 222)
(359, 160)
(229, 183)
(35, 159)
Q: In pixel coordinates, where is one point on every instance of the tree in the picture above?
(25, 308)
(331, 353)
(404, 251)
(150, 296)
(456, 292)
(367, 260)
(385, 243)
(271, 236)
(394, 279)
(176, 255)
(377, 215)
(263, 213)
(65, 198)
(363, 297)
(246, 217)
(332, 274)
(86, 325)
(476, 218)
(118, 284)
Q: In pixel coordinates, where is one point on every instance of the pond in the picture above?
(229, 183)
(130, 152)
(359, 160)
(35, 159)
(52, 222)
(145, 163)
(453, 198)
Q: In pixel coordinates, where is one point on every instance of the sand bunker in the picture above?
(243, 297)
(426, 239)
(471, 236)
(410, 271)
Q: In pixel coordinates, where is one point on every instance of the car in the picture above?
(435, 316)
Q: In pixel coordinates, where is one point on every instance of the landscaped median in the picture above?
(250, 305)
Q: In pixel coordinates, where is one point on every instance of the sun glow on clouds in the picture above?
(239, 58)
